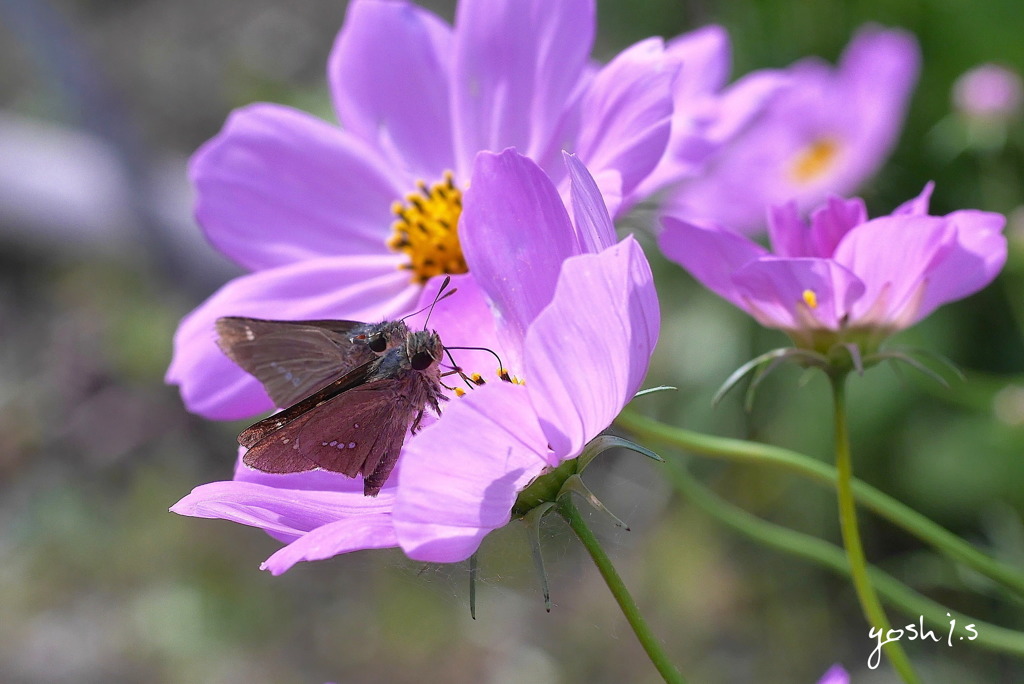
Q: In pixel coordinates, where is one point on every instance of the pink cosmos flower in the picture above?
(835, 675)
(826, 132)
(988, 91)
(841, 278)
(571, 313)
(351, 222)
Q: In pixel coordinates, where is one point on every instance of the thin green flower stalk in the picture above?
(866, 595)
(553, 492)
(943, 541)
(567, 509)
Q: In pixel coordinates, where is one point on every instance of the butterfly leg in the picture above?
(416, 423)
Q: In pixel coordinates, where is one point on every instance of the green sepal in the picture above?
(652, 390)
(603, 443)
(907, 356)
(765, 364)
(575, 485)
(532, 522)
(546, 487)
(473, 576)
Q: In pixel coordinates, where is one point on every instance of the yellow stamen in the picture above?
(815, 160)
(427, 230)
(459, 392)
(810, 299)
(507, 377)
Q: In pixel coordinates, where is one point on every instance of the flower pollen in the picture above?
(427, 230)
(810, 298)
(477, 379)
(508, 377)
(815, 160)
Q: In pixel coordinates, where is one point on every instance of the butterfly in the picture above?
(350, 392)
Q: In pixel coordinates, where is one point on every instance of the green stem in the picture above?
(668, 671)
(869, 603)
(824, 474)
(823, 553)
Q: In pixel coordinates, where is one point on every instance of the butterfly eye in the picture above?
(377, 343)
(422, 360)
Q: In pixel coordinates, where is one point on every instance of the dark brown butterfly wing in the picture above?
(261, 429)
(359, 431)
(292, 359)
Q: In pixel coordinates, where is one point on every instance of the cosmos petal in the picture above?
(515, 234)
(288, 514)
(871, 91)
(832, 221)
(876, 56)
(917, 206)
(626, 117)
(703, 124)
(594, 228)
(711, 254)
(704, 54)
(357, 288)
(354, 532)
(740, 104)
(277, 186)
(774, 291)
(461, 476)
(787, 230)
(895, 256)
(389, 74)
(515, 63)
(980, 254)
(588, 351)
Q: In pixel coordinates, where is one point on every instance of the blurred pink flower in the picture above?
(825, 132)
(841, 278)
(988, 91)
(350, 222)
(570, 311)
(707, 114)
(835, 675)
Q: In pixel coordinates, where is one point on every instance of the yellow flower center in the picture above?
(810, 298)
(427, 230)
(815, 160)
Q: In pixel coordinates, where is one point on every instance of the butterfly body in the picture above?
(356, 390)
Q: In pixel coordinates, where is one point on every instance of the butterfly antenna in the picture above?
(438, 297)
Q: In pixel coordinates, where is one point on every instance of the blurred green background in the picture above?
(102, 101)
